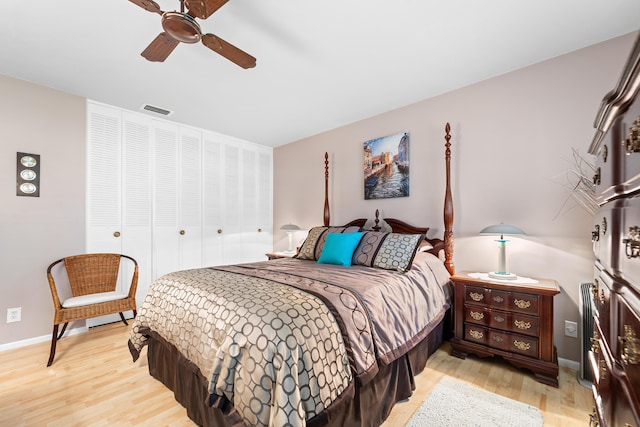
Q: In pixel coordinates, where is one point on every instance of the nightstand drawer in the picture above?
(475, 295)
(513, 343)
(523, 303)
(476, 334)
(478, 315)
(523, 345)
(522, 324)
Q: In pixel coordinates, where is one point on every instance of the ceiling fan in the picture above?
(183, 27)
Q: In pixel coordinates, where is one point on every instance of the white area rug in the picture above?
(455, 403)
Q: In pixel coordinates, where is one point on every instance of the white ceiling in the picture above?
(320, 64)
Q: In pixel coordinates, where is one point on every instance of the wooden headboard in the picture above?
(398, 226)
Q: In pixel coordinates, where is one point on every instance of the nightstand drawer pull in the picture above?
(603, 369)
(498, 338)
(632, 143)
(476, 315)
(498, 319)
(521, 345)
(476, 334)
(476, 296)
(520, 303)
(498, 299)
(632, 242)
(521, 324)
(630, 347)
(595, 345)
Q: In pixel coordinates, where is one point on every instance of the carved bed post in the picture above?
(327, 214)
(448, 205)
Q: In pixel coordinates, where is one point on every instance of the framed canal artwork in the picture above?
(386, 167)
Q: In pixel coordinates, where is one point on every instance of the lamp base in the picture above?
(498, 275)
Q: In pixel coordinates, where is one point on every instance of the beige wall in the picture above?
(36, 231)
(512, 146)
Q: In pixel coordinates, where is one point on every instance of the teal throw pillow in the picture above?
(339, 247)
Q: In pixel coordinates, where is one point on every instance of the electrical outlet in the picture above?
(570, 329)
(14, 314)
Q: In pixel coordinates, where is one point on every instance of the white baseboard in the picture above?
(571, 364)
(36, 340)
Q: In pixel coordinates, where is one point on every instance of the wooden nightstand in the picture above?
(277, 255)
(514, 321)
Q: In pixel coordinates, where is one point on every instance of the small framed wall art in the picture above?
(386, 167)
(28, 175)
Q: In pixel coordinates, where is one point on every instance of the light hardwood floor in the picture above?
(93, 382)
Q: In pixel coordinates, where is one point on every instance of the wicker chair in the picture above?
(93, 279)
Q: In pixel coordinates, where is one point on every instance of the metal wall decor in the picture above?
(28, 175)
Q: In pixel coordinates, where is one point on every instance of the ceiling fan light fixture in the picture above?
(157, 110)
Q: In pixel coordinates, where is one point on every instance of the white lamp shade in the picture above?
(290, 227)
(502, 229)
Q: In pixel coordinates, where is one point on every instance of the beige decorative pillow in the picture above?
(369, 245)
(397, 251)
(312, 247)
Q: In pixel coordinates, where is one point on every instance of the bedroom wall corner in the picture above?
(38, 230)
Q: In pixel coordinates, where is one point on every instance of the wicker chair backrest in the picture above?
(92, 273)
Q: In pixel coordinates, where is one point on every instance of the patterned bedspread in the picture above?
(283, 339)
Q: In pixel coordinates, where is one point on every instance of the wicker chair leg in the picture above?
(54, 340)
(64, 328)
(135, 313)
(123, 319)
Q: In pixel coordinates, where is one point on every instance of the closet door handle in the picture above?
(116, 234)
(219, 230)
(182, 232)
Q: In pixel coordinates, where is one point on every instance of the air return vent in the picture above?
(157, 110)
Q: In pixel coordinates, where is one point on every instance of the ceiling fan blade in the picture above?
(160, 48)
(203, 8)
(229, 51)
(149, 5)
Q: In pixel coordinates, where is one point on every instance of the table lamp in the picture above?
(502, 229)
(290, 229)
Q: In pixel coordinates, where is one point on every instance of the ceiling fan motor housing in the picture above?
(181, 27)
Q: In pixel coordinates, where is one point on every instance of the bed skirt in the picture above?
(367, 405)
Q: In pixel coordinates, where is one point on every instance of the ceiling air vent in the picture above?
(157, 110)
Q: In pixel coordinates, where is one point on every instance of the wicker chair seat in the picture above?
(92, 299)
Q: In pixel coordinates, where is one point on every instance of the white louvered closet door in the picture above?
(212, 202)
(234, 250)
(177, 199)
(265, 202)
(104, 189)
(250, 227)
(166, 241)
(104, 185)
(190, 199)
(118, 194)
(136, 198)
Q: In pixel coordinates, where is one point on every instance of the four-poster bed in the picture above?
(299, 341)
